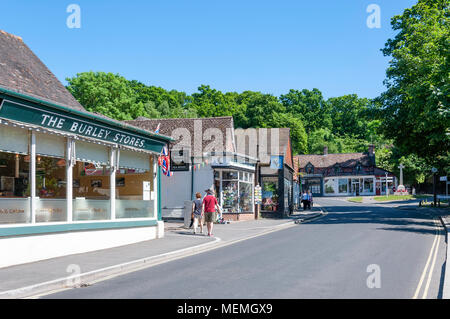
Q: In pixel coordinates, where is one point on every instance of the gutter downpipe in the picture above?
(192, 178)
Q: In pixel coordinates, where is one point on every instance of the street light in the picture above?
(387, 189)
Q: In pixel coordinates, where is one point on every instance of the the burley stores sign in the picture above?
(76, 124)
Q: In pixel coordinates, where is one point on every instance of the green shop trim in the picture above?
(47, 229)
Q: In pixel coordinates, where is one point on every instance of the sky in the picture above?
(267, 46)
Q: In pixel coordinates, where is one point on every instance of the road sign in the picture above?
(434, 169)
(443, 178)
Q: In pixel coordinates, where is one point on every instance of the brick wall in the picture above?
(238, 217)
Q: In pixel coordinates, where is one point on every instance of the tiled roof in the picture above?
(263, 146)
(196, 127)
(23, 72)
(344, 160)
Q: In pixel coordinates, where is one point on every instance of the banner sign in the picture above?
(276, 161)
(72, 123)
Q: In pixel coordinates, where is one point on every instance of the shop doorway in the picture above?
(356, 187)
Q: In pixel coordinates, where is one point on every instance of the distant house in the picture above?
(344, 174)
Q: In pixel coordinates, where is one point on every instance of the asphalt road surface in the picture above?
(355, 251)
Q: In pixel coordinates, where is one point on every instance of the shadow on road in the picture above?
(408, 220)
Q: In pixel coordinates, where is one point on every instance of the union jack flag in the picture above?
(164, 161)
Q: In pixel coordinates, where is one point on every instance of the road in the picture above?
(355, 251)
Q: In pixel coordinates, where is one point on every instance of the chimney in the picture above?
(371, 149)
(325, 150)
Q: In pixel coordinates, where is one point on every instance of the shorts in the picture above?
(198, 216)
(210, 217)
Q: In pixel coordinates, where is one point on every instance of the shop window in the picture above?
(270, 193)
(230, 196)
(91, 191)
(133, 188)
(368, 185)
(245, 197)
(230, 175)
(14, 188)
(343, 185)
(330, 186)
(51, 205)
(287, 194)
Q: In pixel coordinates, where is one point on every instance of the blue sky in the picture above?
(267, 46)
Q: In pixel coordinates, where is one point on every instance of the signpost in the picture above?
(258, 199)
(434, 171)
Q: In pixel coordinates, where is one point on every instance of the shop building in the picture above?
(275, 168)
(204, 156)
(345, 174)
(70, 181)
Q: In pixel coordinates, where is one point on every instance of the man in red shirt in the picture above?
(209, 207)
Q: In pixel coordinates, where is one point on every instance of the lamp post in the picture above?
(387, 189)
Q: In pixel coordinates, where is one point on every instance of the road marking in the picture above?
(430, 274)
(419, 286)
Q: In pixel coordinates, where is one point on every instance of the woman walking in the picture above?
(197, 212)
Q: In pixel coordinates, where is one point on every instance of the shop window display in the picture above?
(14, 188)
(91, 184)
(237, 191)
(51, 205)
(230, 196)
(133, 198)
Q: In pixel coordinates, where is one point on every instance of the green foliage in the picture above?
(415, 108)
(116, 97)
(310, 107)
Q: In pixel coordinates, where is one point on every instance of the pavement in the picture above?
(79, 270)
(445, 219)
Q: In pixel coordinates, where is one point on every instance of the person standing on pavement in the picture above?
(310, 199)
(197, 212)
(210, 205)
(305, 200)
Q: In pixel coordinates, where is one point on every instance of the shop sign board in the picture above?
(276, 161)
(179, 160)
(72, 123)
(258, 195)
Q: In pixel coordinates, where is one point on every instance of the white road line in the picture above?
(430, 274)
(419, 286)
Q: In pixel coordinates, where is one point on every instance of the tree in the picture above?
(105, 93)
(415, 107)
(310, 107)
(349, 115)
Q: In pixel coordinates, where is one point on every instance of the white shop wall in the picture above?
(176, 189)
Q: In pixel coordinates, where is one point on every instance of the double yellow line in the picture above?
(431, 258)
